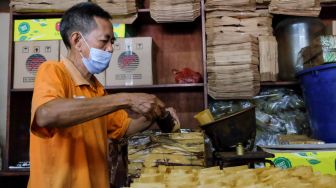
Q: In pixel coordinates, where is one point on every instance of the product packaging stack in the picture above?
(43, 5)
(122, 11)
(174, 11)
(268, 57)
(232, 66)
(233, 51)
(309, 8)
(150, 149)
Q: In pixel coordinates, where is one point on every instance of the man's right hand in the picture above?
(146, 104)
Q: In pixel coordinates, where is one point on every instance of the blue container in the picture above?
(319, 90)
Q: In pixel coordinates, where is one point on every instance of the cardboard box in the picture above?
(48, 29)
(131, 62)
(29, 55)
(322, 157)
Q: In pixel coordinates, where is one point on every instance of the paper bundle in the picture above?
(268, 55)
(148, 149)
(43, 5)
(310, 8)
(174, 11)
(232, 5)
(232, 66)
(122, 11)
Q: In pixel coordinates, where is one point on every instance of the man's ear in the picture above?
(75, 41)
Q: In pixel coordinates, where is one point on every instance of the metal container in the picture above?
(293, 34)
(225, 133)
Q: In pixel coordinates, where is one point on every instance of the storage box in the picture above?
(28, 57)
(131, 62)
(321, 157)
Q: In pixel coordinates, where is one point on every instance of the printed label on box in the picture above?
(48, 29)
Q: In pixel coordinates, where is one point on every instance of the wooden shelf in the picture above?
(14, 173)
(280, 83)
(32, 15)
(143, 10)
(332, 4)
(159, 86)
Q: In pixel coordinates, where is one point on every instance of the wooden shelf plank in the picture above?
(14, 173)
(143, 10)
(280, 83)
(197, 85)
(31, 15)
(157, 86)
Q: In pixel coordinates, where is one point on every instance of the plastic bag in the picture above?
(187, 75)
(279, 112)
(221, 108)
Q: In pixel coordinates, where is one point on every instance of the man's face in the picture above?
(101, 37)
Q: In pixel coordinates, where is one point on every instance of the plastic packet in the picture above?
(279, 111)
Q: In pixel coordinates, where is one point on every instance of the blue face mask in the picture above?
(98, 60)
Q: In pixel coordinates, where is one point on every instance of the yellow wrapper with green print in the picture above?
(320, 160)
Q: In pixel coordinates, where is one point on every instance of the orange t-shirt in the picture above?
(75, 156)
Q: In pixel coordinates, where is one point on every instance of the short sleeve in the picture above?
(49, 85)
(117, 125)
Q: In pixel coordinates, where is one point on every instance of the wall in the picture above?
(4, 33)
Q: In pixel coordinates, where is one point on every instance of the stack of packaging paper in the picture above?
(232, 5)
(310, 8)
(233, 51)
(174, 149)
(174, 11)
(230, 24)
(322, 50)
(122, 11)
(43, 5)
(268, 56)
(232, 66)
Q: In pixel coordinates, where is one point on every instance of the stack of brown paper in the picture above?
(268, 55)
(310, 8)
(43, 5)
(232, 66)
(122, 11)
(174, 11)
(232, 5)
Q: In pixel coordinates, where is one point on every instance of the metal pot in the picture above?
(293, 34)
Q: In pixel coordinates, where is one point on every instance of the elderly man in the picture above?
(72, 116)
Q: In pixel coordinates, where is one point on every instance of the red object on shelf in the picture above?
(187, 75)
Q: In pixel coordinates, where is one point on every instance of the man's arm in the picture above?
(138, 125)
(60, 113)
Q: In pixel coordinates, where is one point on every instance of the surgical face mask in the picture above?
(98, 60)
